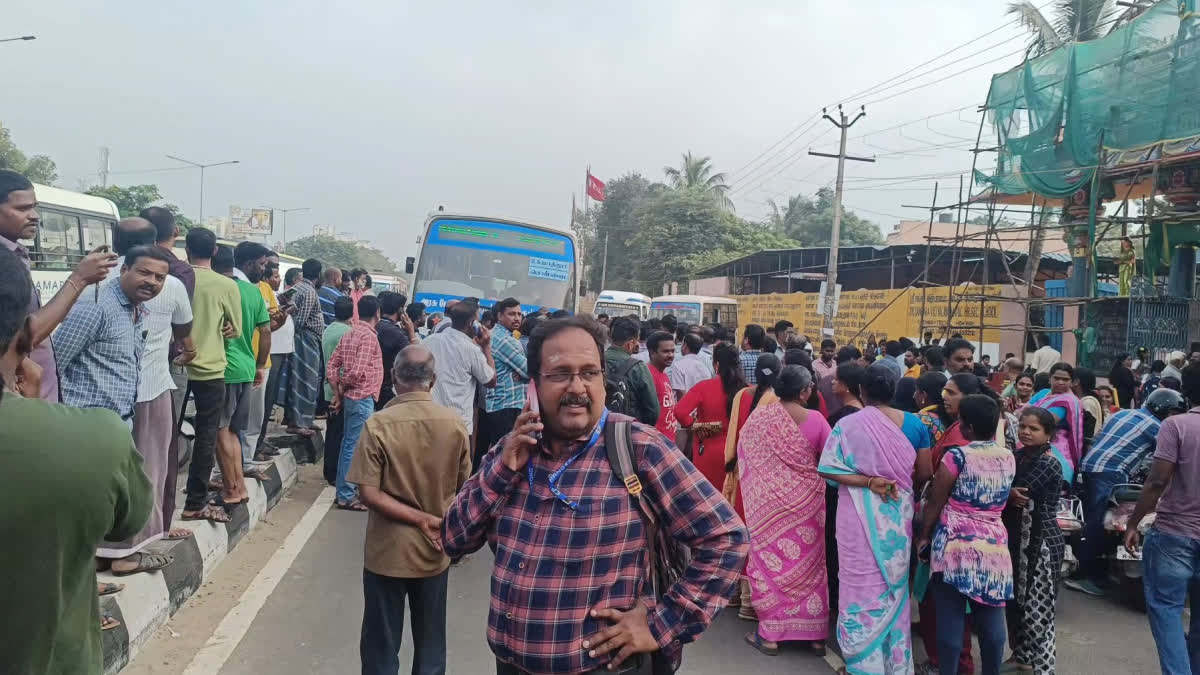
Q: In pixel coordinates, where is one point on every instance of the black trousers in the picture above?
(383, 623)
(210, 398)
(335, 424)
(493, 427)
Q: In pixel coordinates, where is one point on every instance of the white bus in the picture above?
(700, 309)
(492, 259)
(622, 303)
(72, 225)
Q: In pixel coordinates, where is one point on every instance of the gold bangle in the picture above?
(870, 481)
(75, 285)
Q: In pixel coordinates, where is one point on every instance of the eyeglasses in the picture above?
(564, 377)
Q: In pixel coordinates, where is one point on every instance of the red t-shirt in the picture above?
(666, 403)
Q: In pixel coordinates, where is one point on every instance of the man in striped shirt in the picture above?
(505, 400)
(570, 586)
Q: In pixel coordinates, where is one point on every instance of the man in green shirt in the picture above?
(243, 370)
(70, 478)
(343, 315)
(643, 396)
(216, 316)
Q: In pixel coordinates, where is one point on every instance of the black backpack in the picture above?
(618, 392)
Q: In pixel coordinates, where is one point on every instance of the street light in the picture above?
(284, 224)
(23, 37)
(202, 167)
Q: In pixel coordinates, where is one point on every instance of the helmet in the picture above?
(1163, 402)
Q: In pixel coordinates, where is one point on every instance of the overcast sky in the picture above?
(373, 113)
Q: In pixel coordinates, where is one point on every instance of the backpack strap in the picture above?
(618, 441)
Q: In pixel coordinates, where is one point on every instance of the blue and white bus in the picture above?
(494, 258)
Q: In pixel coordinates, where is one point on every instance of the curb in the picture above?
(150, 599)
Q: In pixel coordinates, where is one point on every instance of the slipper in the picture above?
(107, 622)
(755, 640)
(352, 506)
(109, 588)
(186, 534)
(147, 562)
(258, 473)
(210, 513)
(218, 501)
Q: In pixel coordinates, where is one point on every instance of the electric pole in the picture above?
(835, 233)
(604, 264)
(104, 166)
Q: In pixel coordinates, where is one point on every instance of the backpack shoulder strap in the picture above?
(618, 437)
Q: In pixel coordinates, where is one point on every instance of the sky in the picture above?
(372, 114)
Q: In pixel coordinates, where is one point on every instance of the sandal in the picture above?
(210, 512)
(301, 431)
(108, 622)
(178, 534)
(147, 562)
(220, 501)
(755, 640)
(109, 588)
(258, 473)
(354, 505)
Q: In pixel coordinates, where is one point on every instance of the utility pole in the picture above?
(604, 264)
(104, 166)
(835, 234)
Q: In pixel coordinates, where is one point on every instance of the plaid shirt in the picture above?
(1125, 441)
(308, 308)
(99, 351)
(749, 359)
(554, 564)
(359, 360)
(512, 372)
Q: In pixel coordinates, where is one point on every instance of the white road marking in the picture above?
(233, 627)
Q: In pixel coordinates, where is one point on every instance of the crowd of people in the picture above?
(631, 477)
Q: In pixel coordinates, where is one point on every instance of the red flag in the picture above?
(595, 188)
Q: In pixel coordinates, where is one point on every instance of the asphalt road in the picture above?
(310, 621)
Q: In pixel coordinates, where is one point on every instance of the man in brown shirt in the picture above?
(410, 461)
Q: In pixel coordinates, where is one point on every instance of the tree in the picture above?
(697, 173)
(810, 222)
(335, 252)
(38, 168)
(1074, 21)
(129, 200)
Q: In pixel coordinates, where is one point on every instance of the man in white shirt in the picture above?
(688, 370)
(462, 359)
(1045, 357)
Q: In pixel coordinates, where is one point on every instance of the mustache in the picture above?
(575, 399)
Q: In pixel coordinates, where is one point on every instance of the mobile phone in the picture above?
(286, 296)
(531, 395)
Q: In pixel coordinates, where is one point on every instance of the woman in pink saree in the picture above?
(778, 451)
(873, 456)
(1067, 444)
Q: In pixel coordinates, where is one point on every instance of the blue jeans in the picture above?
(1172, 567)
(951, 608)
(1097, 488)
(354, 415)
(383, 623)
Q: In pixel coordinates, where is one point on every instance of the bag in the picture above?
(618, 392)
(668, 559)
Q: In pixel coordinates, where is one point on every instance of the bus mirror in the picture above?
(409, 263)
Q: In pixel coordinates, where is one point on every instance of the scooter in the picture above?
(1125, 568)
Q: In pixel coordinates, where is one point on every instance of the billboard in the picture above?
(249, 222)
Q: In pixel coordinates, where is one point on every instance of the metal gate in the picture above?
(1160, 324)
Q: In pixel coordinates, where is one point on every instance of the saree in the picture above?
(1067, 444)
(784, 500)
(874, 538)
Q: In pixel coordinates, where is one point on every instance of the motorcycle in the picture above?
(1125, 568)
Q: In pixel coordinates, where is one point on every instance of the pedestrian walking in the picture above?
(216, 316)
(355, 372)
(545, 605)
(964, 539)
(85, 485)
(875, 455)
(778, 453)
(411, 459)
(1171, 555)
(505, 400)
(335, 420)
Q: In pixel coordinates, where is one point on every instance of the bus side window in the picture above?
(95, 232)
(58, 240)
(727, 315)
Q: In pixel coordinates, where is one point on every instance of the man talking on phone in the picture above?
(576, 597)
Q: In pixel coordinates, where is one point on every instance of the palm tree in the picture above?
(696, 172)
(1074, 21)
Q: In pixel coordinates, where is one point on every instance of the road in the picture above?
(309, 622)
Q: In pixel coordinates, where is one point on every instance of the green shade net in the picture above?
(1131, 89)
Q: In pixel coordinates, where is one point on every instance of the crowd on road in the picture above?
(631, 477)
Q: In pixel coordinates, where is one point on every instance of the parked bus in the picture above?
(622, 303)
(696, 309)
(72, 225)
(492, 259)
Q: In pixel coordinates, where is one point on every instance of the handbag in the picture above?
(668, 559)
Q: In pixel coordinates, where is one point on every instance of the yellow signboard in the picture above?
(885, 315)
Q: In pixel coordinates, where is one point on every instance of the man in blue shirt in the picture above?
(753, 340)
(329, 292)
(1126, 440)
(505, 400)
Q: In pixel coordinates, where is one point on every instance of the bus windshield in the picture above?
(685, 312)
(492, 261)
